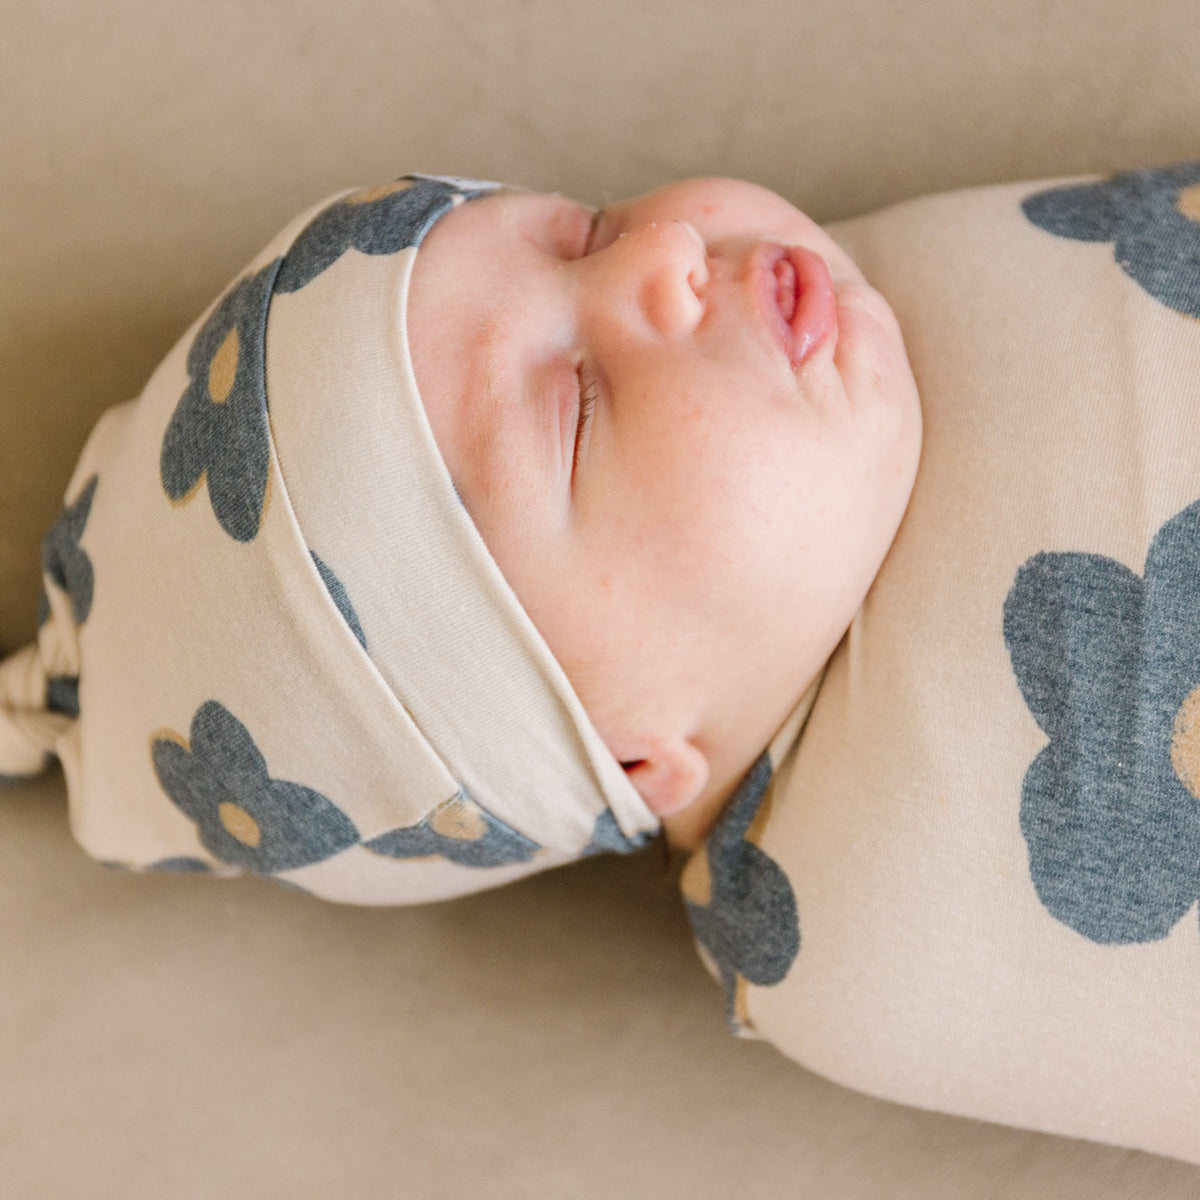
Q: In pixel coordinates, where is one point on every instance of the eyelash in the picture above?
(593, 227)
(589, 394)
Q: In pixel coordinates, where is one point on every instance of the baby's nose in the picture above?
(668, 261)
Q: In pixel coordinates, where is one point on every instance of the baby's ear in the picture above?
(669, 772)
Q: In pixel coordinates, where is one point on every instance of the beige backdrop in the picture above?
(177, 1037)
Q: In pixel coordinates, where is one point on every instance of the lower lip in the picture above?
(797, 279)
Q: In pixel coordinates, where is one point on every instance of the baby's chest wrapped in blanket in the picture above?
(971, 882)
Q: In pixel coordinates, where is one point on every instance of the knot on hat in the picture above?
(28, 728)
(37, 706)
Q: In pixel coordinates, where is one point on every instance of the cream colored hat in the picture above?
(272, 639)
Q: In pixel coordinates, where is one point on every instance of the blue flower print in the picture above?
(219, 779)
(67, 563)
(384, 219)
(1109, 665)
(1153, 216)
(739, 900)
(245, 817)
(608, 838)
(461, 831)
(219, 430)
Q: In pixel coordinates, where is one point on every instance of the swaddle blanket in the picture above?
(970, 883)
(271, 639)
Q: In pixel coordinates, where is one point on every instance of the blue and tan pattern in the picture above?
(219, 431)
(1109, 665)
(738, 899)
(384, 219)
(67, 563)
(1152, 216)
(219, 779)
(608, 838)
(461, 831)
(250, 820)
(1107, 660)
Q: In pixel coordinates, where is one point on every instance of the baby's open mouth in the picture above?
(797, 296)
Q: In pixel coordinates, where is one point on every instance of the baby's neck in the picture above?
(686, 830)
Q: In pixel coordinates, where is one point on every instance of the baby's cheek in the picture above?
(872, 360)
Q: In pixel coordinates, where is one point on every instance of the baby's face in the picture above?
(687, 430)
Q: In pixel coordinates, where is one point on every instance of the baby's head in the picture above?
(686, 428)
(546, 519)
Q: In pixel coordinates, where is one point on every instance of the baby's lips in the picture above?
(815, 318)
(797, 295)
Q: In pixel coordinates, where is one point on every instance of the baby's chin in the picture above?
(871, 359)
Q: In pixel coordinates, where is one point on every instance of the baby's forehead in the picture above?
(477, 239)
(726, 205)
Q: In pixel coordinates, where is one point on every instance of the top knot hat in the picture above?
(271, 638)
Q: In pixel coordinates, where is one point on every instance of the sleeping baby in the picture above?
(472, 531)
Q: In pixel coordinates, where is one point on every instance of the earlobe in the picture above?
(669, 774)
